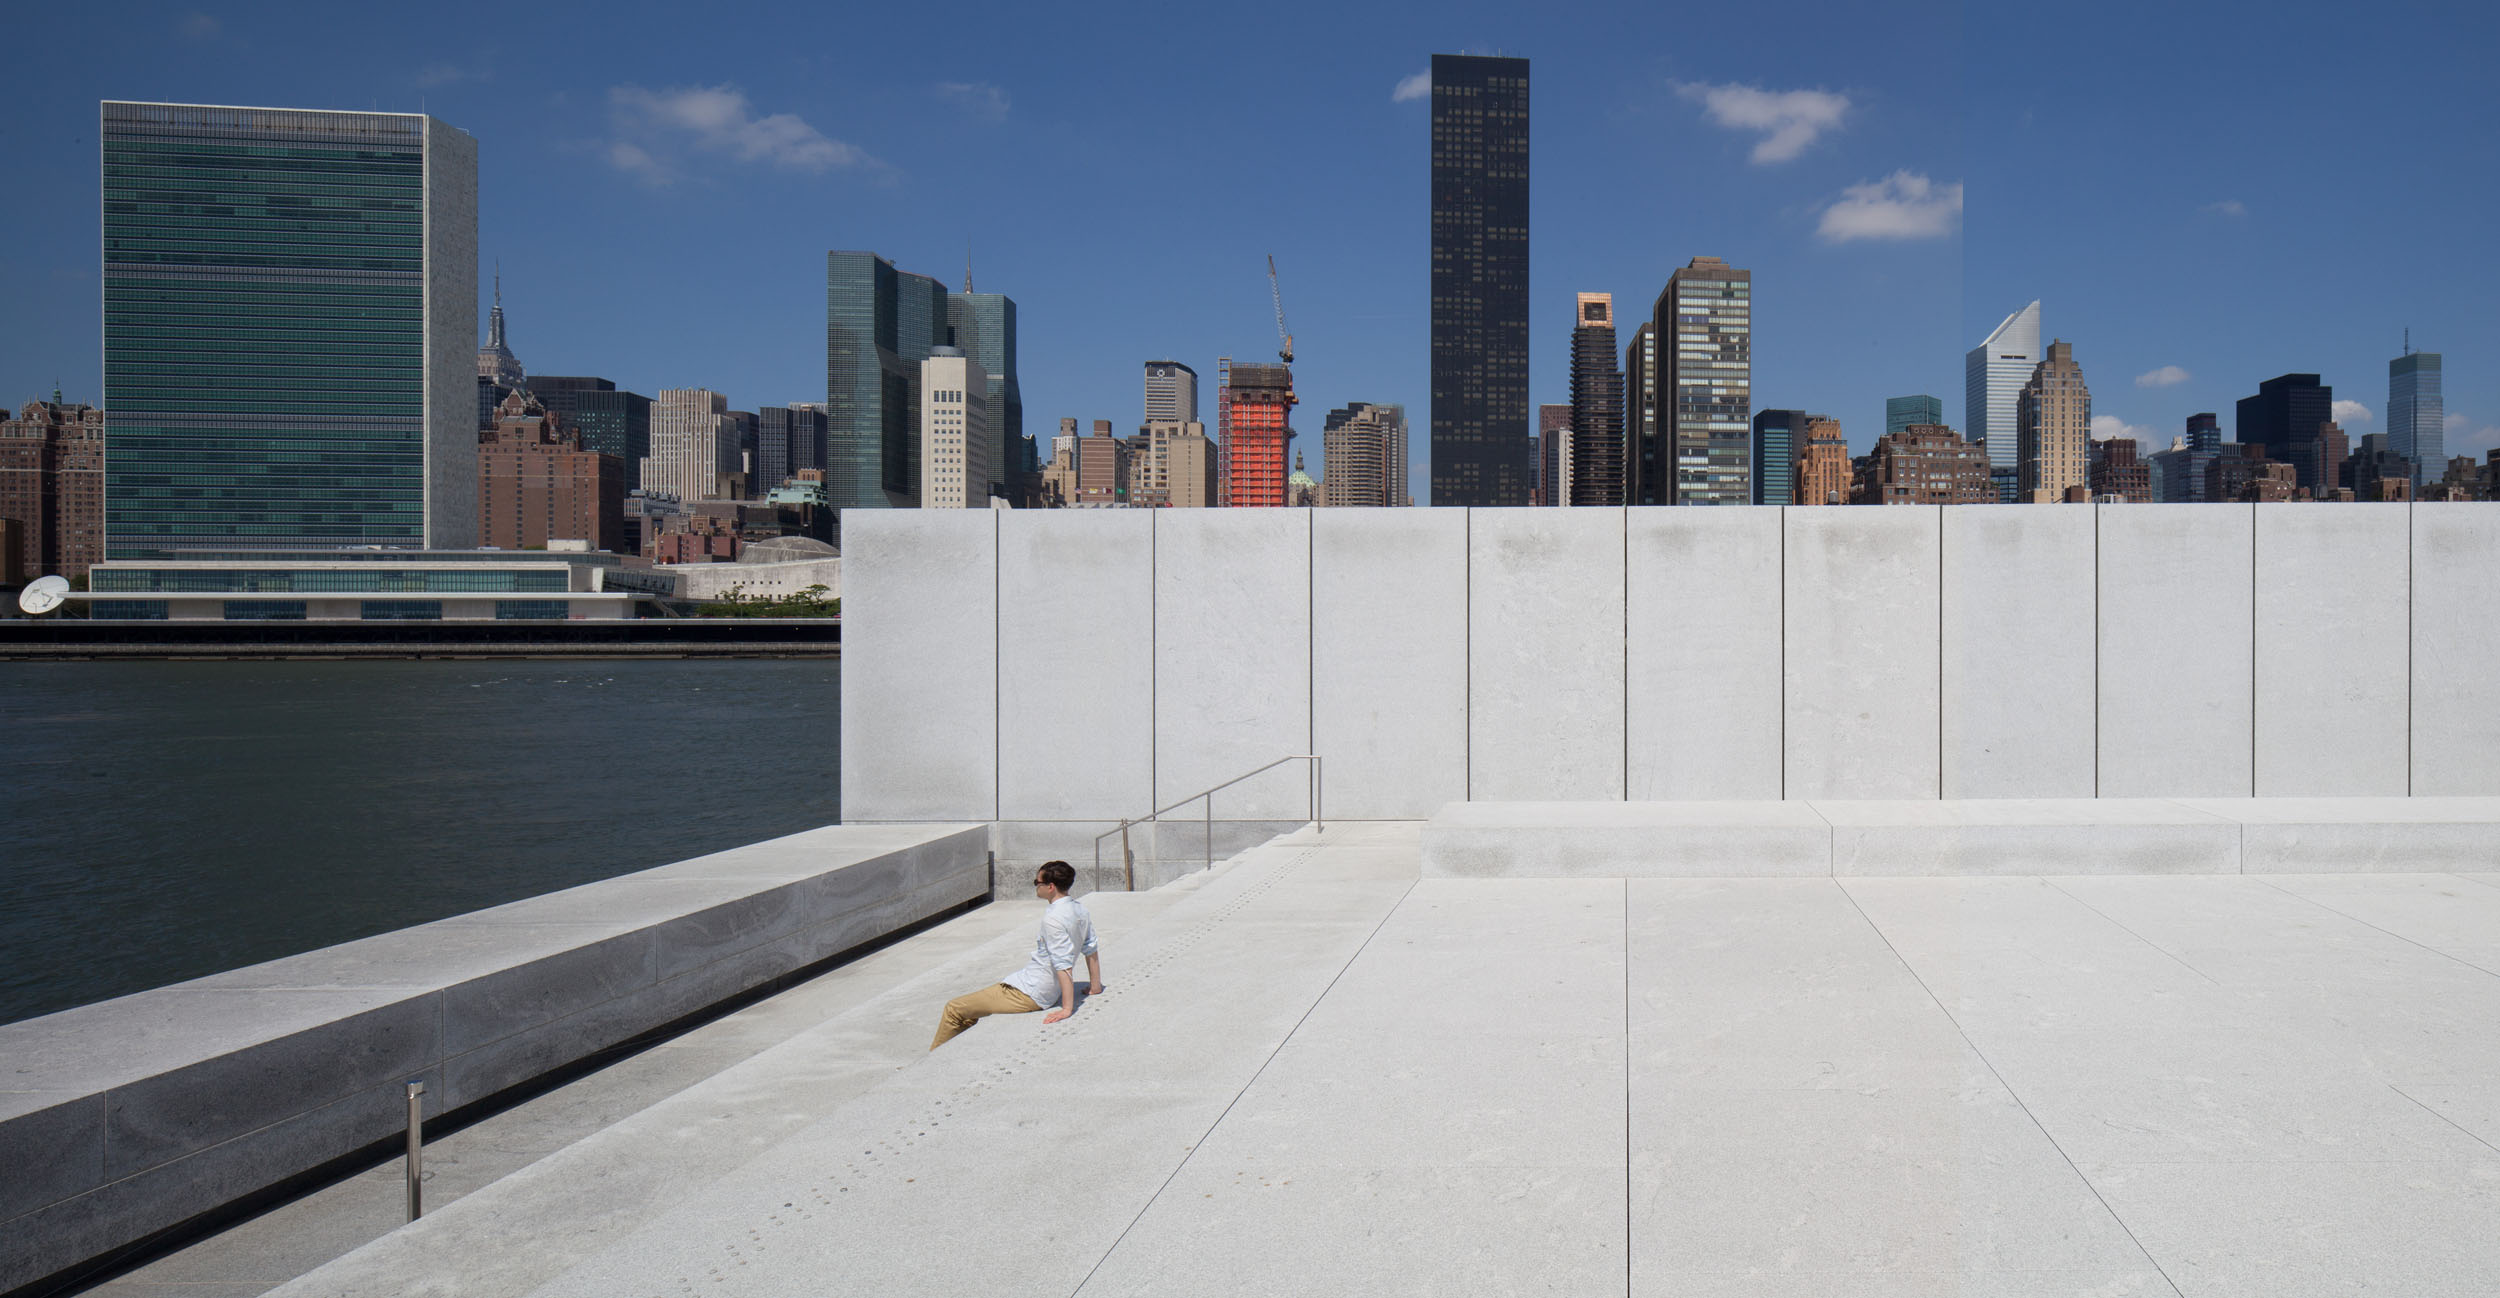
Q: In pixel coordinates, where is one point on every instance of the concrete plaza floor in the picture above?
(1315, 1073)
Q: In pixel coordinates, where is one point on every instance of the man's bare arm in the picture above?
(1093, 974)
(1067, 999)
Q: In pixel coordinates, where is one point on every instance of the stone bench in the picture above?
(2016, 836)
(125, 1118)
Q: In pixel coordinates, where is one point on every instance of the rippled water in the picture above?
(160, 821)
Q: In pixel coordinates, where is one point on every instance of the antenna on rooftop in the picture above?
(967, 265)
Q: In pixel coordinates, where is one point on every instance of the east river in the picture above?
(164, 820)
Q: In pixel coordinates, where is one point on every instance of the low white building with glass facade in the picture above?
(363, 585)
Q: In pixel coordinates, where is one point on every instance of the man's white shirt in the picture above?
(1067, 932)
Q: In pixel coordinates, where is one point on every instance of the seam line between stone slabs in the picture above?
(1200, 1143)
(2182, 963)
(1627, 1085)
(2445, 1118)
(2375, 928)
(1912, 971)
(2487, 880)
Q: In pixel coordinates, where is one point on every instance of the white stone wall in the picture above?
(1432, 656)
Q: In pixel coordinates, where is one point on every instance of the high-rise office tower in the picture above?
(290, 329)
(1704, 322)
(1824, 474)
(1171, 464)
(880, 323)
(2053, 428)
(1993, 375)
(1596, 404)
(1171, 393)
(2284, 418)
(984, 328)
(787, 439)
(1366, 449)
(1259, 401)
(955, 468)
(611, 422)
(1777, 437)
(1479, 280)
(1902, 412)
(1647, 463)
(1550, 478)
(52, 486)
(1102, 467)
(694, 446)
(2417, 412)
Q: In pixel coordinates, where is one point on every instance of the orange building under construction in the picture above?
(1257, 415)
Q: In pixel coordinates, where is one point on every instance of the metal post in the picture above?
(416, 1149)
(1128, 861)
(1210, 829)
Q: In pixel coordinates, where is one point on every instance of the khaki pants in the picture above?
(997, 998)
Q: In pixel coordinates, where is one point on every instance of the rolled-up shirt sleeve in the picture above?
(1092, 947)
(1060, 944)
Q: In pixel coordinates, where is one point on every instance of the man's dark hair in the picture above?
(1059, 874)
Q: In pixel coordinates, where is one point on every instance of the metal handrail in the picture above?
(1128, 860)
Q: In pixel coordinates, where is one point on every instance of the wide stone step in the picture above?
(831, 1041)
(1976, 836)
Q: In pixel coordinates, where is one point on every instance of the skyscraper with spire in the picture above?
(1994, 374)
(499, 372)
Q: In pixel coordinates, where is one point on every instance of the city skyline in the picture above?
(1773, 181)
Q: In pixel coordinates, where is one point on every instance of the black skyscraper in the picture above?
(1596, 405)
(2284, 417)
(1479, 443)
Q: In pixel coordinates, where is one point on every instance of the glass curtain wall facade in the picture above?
(2284, 417)
(787, 439)
(1479, 443)
(880, 323)
(1993, 377)
(1704, 322)
(610, 422)
(290, 328)
(1901, 413)
(984, 328)
(2417, 414)
(1645, 478)
(1776, 436)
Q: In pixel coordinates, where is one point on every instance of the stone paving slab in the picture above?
(1318, 1074)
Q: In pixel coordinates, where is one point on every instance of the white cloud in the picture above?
(2227, 207)
(1787, 120)
(655, 127)
(978, 99)
(1903, 205)
(2105, 427)
(1418, 86)
(201, 27)
(2463, 438)
(2349, 413)
(2168, 376)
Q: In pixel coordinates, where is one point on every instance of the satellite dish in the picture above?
(43, 594)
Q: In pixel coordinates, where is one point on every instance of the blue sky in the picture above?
(2230, 191)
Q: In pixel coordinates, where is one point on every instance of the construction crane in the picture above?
(1285, 352)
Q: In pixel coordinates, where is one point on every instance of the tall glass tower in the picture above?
(2417, 414)
(984, 326)
(1479, 445)
(1901, 412)
(290, 329)
(880, 323)
(1993, 376)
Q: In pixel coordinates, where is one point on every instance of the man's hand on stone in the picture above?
(1057, 1014)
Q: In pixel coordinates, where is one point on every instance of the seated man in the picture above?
(1043, 983)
